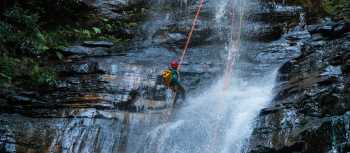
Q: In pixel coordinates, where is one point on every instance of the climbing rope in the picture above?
(235, 48)
(189, 37)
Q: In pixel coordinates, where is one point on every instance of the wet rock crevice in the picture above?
(310, 112)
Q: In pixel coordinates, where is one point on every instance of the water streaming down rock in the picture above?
(215, 121)
(121, 108)
(221, 118)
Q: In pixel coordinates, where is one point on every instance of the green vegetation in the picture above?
(20, 34)
(6, 70)
(333, 8)
(20, 42)
(42, 76)
(31, 30)
(339, 8)
(15, 71)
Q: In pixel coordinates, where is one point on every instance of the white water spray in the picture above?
(220, 119)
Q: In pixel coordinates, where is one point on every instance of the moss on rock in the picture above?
(338, 8)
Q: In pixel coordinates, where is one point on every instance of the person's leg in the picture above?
(180, 90)
(183, 92)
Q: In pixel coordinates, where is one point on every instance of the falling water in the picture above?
(220, 119)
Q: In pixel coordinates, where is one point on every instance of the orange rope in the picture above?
(190, 34)
(232, 60)
(228, 70)
(189, 37)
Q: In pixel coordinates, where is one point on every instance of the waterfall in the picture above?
(220, 119)
(112, 99)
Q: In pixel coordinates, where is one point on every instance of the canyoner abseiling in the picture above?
(82, 76)
(233, 49)
(181, 59)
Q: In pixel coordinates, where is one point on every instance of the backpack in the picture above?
(167, 77)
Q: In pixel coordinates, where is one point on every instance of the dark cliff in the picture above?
(310, 112)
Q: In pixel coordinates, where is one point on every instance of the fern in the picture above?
(97, 30)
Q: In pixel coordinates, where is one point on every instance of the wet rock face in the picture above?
(83, 67)
(330, 29)
(272, 19)
(113, 9)
(98, 43)
(90, 48)
(106, 94)
(104, 75)
(310, 112)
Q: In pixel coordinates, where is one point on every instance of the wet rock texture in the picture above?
(310, 113)
(114, 9)
(108, 97)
